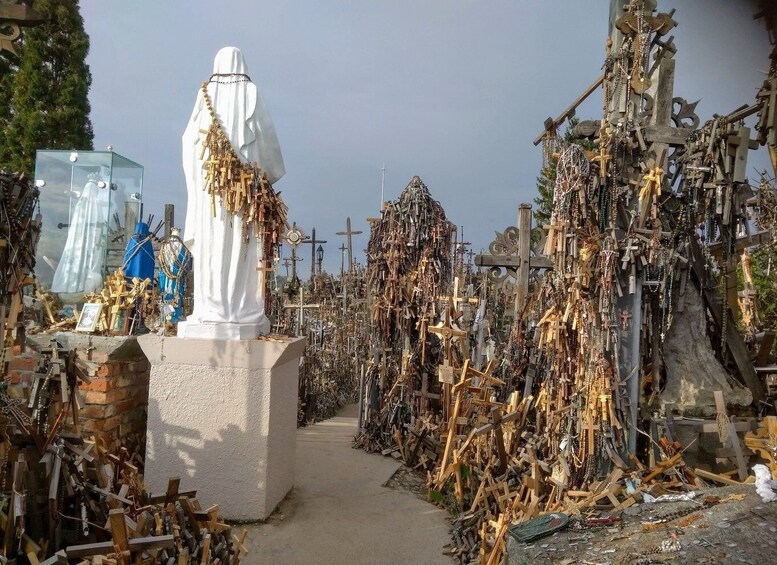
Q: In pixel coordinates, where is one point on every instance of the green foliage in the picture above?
(43, 92)
(547, 179)
(763, 266)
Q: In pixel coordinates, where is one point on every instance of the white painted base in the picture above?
(222, 415)
(212, 330)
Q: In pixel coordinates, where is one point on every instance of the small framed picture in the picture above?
(120, 323)
(90, 316)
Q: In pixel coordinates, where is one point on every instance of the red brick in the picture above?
(116, 395)
(109, 424)
(102, 424)
(23, 363)
(110, 397)
(99, 357)
(127, 379)
(97, 411)
(98, 385)
(93, 397)
(106, 370)
(124, 406)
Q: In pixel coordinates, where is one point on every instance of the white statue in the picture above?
(228, 287)
(80, 268)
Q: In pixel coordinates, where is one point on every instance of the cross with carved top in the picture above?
(447, 332)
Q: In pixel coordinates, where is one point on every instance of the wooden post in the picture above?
(120, 537)
(169, 219)
(524, 252)
(130, 219)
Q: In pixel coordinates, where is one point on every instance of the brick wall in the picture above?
(20, 370)
(115, 402)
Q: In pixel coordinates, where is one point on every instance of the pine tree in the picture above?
(49, 107)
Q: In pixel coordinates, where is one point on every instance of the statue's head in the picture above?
(229, 60)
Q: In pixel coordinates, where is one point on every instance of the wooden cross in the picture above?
(301, 307)
(244, 182)
(348, 233)
(448, 333)
(603, 158)
(454, 299)
(424, 394)
(287, 264)
(590, 430)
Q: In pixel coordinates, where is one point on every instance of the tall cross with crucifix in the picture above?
(348, 233)
(295, 237)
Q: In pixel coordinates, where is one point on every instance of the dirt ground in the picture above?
(734, 531)
(739, 529)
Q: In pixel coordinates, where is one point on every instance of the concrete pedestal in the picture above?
(212, 330)
(222, 415)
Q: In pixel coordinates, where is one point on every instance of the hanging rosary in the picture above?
(173, 263)
(242, 189)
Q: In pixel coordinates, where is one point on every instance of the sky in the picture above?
(452, 91)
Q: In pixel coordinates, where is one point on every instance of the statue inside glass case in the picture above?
(80, 268)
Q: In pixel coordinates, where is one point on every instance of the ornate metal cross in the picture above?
(511, 251)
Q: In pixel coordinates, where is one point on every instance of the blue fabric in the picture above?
(173, 290)
(139, 257)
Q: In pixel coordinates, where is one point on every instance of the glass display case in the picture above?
(85, 197)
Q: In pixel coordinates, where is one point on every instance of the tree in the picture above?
(48, 107)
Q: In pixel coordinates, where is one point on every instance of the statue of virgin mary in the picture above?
(228, 283)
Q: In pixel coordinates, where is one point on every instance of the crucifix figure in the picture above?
(625, 320)
(348, 233)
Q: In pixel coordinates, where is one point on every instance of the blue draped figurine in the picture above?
(175, 262)
(139, 256)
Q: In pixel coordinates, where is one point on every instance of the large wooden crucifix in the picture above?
(348, 233)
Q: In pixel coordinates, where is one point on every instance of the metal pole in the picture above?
(382, 184)
(313, 253)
